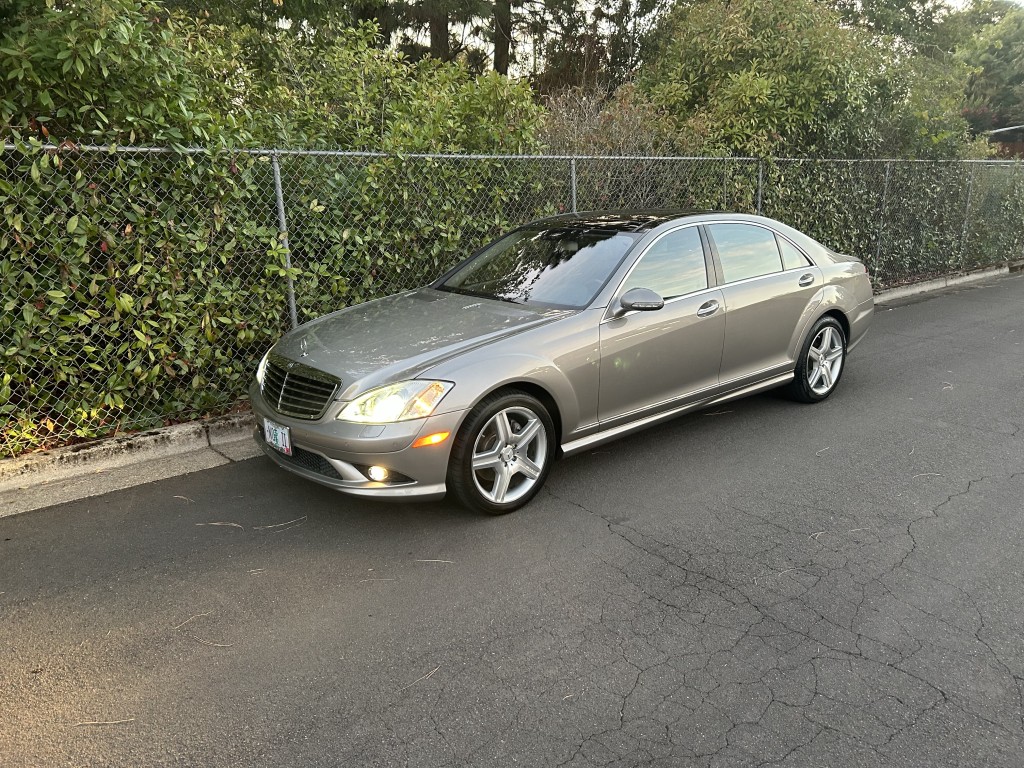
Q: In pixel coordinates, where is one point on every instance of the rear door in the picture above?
(649, 360)
(768, 285)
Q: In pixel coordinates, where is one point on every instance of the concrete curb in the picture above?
(71, 461)
(938, 284)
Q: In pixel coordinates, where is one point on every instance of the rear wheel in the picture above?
(502, 454)
(820, 363)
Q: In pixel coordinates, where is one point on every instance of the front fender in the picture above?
(476, 379)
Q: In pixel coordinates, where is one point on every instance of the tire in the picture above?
(813, 382)
(496, 467)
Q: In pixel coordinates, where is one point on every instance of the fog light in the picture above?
(377, 474)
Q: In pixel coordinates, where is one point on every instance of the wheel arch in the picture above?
(840, 317)
(828, 302)
(526, 372)
(533, 389)
(800, 338)
(461, 476)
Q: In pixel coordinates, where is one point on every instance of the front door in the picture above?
(653, 360)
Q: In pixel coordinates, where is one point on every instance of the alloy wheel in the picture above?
(825, 360)
(509, 454)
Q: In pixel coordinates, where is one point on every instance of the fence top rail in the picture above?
(71, 148)
(270, 152)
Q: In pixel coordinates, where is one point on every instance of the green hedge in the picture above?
(136, 289)
(909, 220)
(363, 227)
(140, 288)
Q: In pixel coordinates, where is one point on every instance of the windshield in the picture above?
(559, 267)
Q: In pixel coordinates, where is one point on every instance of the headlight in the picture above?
(261, 369)
(396, 402)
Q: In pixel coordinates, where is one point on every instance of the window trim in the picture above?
(718, 257)
(810, 263)
(709, 267)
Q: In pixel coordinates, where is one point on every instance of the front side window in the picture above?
(558, 267)
(673, 266)
(745, 251)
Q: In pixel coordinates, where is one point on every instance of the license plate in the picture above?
(277, 436)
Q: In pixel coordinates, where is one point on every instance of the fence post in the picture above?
(282, 225)
(967, 217)
(1017, 167)
(760, 184)
(572, 181)
(881, 218)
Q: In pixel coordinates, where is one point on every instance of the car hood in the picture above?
(400, 336)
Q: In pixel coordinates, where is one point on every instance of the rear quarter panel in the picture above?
(846, 289)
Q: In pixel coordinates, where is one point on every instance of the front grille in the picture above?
(314, 462)
(294, 389)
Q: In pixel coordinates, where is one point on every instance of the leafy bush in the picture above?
(114, 72)
(907, 220)
(361, 228)
(139, 288)
(338, 90)
(135, 288)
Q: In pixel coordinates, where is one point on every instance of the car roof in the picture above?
(618, 221)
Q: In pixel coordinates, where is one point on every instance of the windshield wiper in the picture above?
(478, 294)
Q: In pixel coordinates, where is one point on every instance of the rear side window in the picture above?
(673, 266)
(791, 257)
(745, 251)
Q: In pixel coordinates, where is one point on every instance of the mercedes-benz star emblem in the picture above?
(302, 347)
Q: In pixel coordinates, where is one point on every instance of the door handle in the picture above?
(805, 280)
(707, 308)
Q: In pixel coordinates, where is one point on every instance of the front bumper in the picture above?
(336, 453)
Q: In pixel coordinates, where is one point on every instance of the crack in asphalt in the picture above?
(846, 654)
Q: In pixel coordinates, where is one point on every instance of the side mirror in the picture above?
(639, 300)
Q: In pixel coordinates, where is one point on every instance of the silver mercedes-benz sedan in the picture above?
(562, 334)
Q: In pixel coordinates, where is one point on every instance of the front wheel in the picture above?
(502, 453)
(820, 363)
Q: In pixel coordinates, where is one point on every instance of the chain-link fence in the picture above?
(140, 286)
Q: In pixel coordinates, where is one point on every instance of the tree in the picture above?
(436, 15)
(910, 23)
(113, 71)
(575, 58)
(758, 77)
(995, 54)
(502, 32)
(341, 90)
(627, 25)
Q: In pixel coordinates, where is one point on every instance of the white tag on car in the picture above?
(277, 436)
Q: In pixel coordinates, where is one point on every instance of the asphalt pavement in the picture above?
(763, 584)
